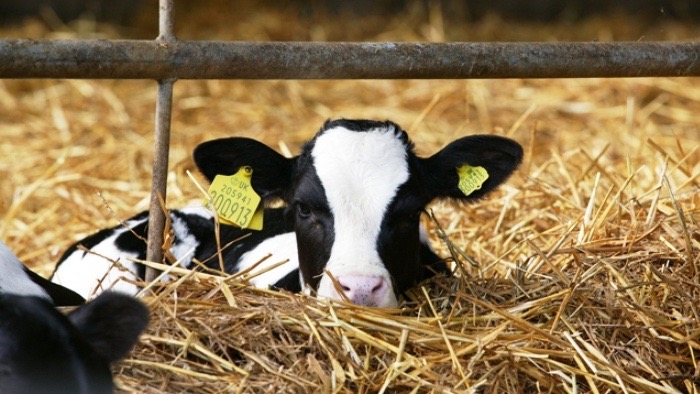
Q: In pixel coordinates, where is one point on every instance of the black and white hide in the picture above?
(16, 278)
(350, 222)
(44, 351)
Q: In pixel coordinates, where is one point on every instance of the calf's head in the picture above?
(43, 351)
(355, 194)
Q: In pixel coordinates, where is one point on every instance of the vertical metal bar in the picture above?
(161, 148)
(166, 22)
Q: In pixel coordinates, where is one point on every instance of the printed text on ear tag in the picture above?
(235, 201)
(471, 178)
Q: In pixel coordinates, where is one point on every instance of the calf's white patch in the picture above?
(360, 172)
(90, 273)
(279, 248)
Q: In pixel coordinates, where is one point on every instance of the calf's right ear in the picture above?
(272, 172)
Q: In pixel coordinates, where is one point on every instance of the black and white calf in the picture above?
(43, 351)
(353, 200)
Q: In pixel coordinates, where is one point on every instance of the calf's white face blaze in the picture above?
(360, 174)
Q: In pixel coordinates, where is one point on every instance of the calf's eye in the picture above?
(303, 211)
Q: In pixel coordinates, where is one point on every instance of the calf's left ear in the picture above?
(497, 156)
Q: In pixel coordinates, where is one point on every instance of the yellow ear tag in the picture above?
(235, 201)
(471, 178)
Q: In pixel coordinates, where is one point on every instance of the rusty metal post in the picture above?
(161, 147)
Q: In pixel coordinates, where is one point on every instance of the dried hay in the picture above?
(580, 275)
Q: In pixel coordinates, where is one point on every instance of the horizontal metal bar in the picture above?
(136, 59)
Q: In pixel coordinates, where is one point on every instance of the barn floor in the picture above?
(581, 274)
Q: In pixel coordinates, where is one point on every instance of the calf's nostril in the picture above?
(379, 287)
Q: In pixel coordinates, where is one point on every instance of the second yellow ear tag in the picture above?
(471, 178)
(235, 201)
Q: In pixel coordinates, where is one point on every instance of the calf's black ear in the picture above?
(498, 156)
(272, 172)
(111, 324)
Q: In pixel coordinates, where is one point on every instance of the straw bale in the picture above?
(581, 274)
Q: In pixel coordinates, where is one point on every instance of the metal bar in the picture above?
(161, 147)
(136, 59)
(166, 21)
(161, 152)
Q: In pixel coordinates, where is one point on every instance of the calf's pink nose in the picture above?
(364, 290)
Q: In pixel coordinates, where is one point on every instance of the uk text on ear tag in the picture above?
(471, 178)
(235, 201)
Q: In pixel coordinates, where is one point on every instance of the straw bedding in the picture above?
(581, 274)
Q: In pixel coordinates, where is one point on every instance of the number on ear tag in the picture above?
(471, 178)
(235, 201)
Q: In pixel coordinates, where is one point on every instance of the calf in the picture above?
(43, 351)
(349, 227)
